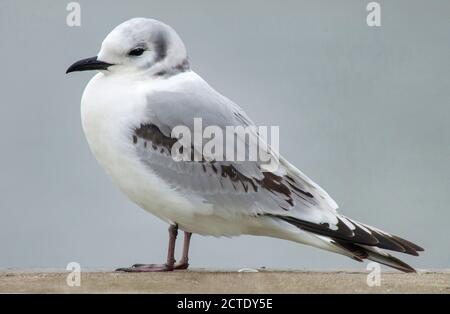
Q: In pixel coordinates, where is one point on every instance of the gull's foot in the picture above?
(146, 268)
(181, 266)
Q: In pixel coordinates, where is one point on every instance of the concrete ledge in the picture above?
(224, 282)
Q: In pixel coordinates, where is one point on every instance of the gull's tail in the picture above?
(375, 254)
(360, 241)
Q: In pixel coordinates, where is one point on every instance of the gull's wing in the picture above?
(239, 188)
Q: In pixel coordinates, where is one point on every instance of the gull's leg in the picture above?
(168, 266)
(184, 263)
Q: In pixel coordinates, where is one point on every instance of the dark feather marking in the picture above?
(271, 182)
(245, 186)
(408, 244)
(387, 243)
(357, 236)
(301, 191)
(179, 68)
(151, 133)
(160, 48)
(343, 232)
(300, 195)
(235, 176)
(290, 179)
(359, 252)
(362, 253)
(395, 243)
(390, 242)
(323, 229)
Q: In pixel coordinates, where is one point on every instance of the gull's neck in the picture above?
(176, 68)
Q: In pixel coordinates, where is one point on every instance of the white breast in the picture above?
(111, 108)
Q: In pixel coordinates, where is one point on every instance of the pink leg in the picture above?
(169, 266)
(184, 263)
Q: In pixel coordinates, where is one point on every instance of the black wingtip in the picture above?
(409, 244)
(361, 253)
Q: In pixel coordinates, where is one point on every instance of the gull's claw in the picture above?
(146, 268)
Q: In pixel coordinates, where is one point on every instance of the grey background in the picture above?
(363, 111)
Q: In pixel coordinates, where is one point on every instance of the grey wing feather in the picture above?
(242, 187)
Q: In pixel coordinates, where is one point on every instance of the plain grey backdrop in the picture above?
(363, 111)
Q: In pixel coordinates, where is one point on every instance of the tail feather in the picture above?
(389, 241)
(359, 234)
(361, 241)
(389, 260)
(374, 254)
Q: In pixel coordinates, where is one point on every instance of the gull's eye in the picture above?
(136, 52)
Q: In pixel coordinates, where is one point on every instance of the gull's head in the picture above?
(138, 45)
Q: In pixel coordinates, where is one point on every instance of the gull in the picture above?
(144, 89)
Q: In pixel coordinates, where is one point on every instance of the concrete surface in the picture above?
(199, 281)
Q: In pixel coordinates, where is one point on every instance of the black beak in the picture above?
(88, 64)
